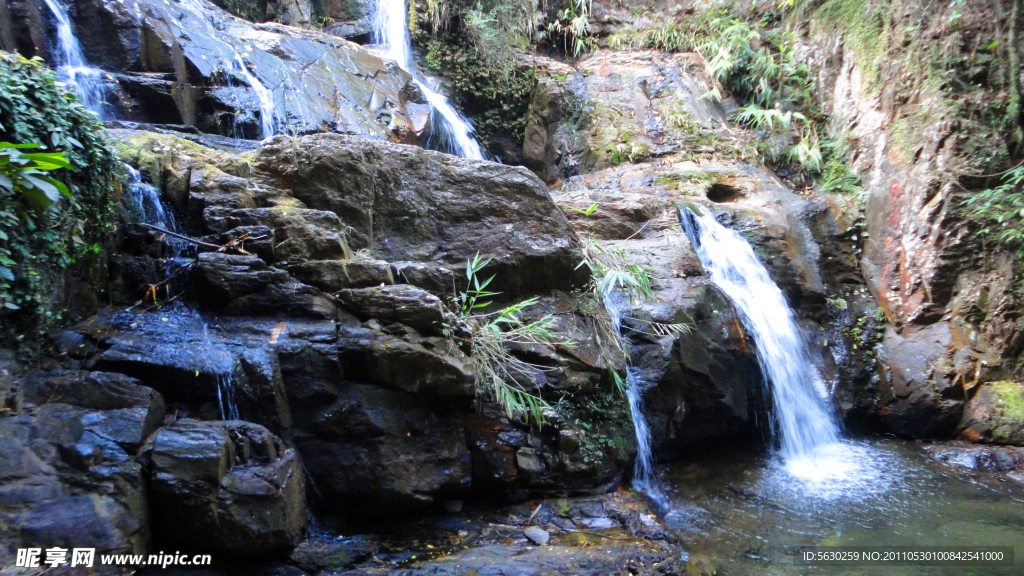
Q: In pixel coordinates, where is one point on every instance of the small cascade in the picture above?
(643, 469)
(147, 208)
(264, 97)
(804, 424)
(226, 406)
(391, 33)
(73, 69)
(146, 199)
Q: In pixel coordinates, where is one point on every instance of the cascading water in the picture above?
(264, 97)
(644, 467)
(146, 199)
(799, 414)
(73, 69)
(391, 33)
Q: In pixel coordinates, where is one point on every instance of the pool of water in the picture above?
(746, 513)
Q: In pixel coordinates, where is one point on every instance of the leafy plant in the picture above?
(1001, 211)
(55, 200)
(497, 370)
(571, 24)
(27, 173)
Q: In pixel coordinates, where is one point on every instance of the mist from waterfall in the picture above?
(72, 67)
(391, 33)
(800, 415)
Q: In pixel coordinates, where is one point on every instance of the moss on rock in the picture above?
(995, 415)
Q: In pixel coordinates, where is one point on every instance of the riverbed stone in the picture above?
(227, 486)
(920, 397)
(995, 414)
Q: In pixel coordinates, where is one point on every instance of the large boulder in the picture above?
(226, 486)
(408, 204)
(128, 411)
(68, 473)
(995, 414)
(920, 395)
(374, 451)
(245, 285)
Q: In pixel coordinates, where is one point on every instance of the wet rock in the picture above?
(65, 483)
(426, 365)
(129, 412)
(417, 309)
(335, 275)
(376, 450)
(245, 285)
(227, 486)
(409, 204)
(538, 536)
(980, 458)
(433, 278)
(182, 64)
(920, 398)
(995, 414)
(586, 365)
(315, 556)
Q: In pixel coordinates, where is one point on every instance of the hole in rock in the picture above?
(719, 192)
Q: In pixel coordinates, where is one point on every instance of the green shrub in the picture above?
(49, 239)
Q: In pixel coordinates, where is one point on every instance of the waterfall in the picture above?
(148, 209)
(72, 67)
(264, 97)
(643, 468)
(146, 199)
(799, 412)
(391, 33)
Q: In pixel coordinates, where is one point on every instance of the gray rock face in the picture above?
(615, 107)
(405, 203)
(380, 451)
(181, 63)
(67, 473)
(417, 309)
(335, 275)
(919, 394)
(129, 412)
(245, 285)
(228, 486)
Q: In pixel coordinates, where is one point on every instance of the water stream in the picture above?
(72, 68)
(806, 430)
(264, 97)
(391, 33)
(643, 468)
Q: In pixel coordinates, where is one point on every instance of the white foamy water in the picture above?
(807, 430)
(73, 69)
(391, 33)
(264, 97)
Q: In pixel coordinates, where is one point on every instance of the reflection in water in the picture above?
(745, 513)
